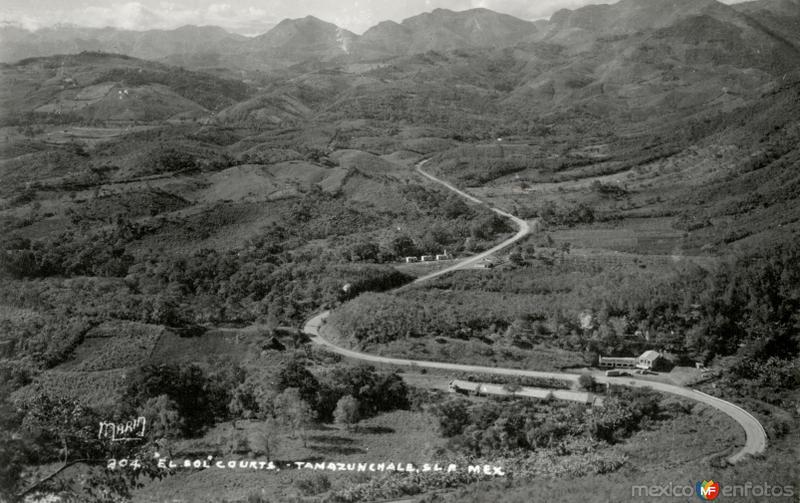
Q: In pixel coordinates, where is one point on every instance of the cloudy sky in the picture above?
(251, 17)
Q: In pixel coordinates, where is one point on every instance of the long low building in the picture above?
(479, 388)
(648, 360)
(617, 362)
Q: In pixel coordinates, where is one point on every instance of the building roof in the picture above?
(650, 355)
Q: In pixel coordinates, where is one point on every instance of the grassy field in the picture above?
(677, 440)
(100, 389)
(115, 345)
(401, 436)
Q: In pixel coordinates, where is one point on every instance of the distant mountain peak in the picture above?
(303, 38)
(443, 30)
(309, 38)
(628, 16)
(303, 21)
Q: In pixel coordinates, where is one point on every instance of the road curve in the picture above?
(755, 436)
(314, 325)
(523, 230)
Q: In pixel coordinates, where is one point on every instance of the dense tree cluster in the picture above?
(377, 319)
(493, 427)
(51, 340)
(432, 201)
(374, 392)
(276, 274)
(73, 253)
(746, 308)
(623, 412)
(200, 397)
(170, 160)
(63, 431)
(567, 215)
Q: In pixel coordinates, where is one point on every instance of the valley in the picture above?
(282, 248)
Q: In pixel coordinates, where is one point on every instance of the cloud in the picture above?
(137, 15)
(533, 10)
(129, 16)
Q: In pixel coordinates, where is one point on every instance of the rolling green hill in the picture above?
(164, 233)
(97, 87)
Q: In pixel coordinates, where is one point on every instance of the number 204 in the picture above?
(113, 464)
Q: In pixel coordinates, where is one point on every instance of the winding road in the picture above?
(756, 437)
(522, 225)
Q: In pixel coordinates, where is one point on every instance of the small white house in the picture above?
(444, 256)
(648, 359)
(411, 259)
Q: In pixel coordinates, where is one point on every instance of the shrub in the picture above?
(317, 483)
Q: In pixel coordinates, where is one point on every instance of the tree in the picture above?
(402, 246)
(294, 412)
(486, 226)
(436, 238)
(64, 427)
(14, 455)
(295, 375)
(316, 483)
(565, 247)
(265, 399)
(164, 420)
(363, 251)
(455, 207)
(200, 399)
(390, 393)
(266, 438)
(236, 441)
(346, 413)
(243, 403)
(453, 416)
(71, 425)
(587, 382)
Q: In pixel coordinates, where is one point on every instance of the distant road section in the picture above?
(523, 230)
(756, 437)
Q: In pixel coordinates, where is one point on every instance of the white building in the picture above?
(648, 359)
(617, 362)
(443, 256)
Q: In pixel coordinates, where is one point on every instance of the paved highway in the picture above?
(522, 226)
(756, 437)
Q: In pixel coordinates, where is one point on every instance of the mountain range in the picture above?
(622, 62)
(311, 39)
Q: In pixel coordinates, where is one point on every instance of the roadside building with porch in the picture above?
(617, 362)
(648, 360)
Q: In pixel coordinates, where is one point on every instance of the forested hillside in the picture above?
(169, 225)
